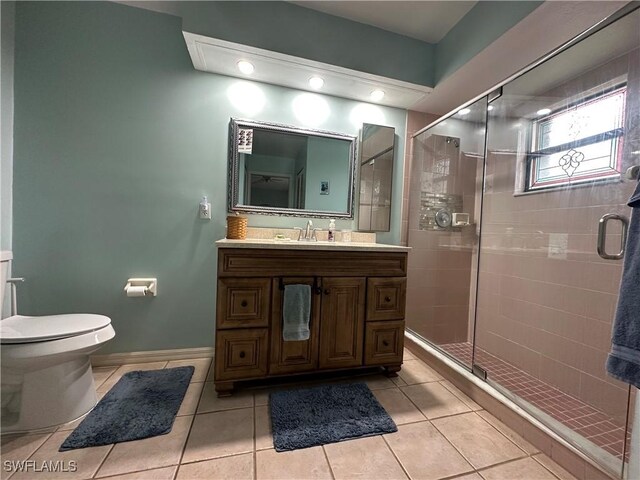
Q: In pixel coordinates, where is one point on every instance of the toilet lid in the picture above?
(23, 329)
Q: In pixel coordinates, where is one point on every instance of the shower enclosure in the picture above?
(508, 274)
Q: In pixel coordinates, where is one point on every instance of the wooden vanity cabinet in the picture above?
(357, 312)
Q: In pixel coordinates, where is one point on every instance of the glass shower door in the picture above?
(559, 141)
(446, 176)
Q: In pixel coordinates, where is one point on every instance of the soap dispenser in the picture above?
(332, 230)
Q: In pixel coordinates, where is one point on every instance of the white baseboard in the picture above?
(150, 356)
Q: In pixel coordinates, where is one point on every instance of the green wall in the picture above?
(294, 30)
(326, 161)
(480, 27)
(117, 137)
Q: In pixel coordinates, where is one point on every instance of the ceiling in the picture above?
(428, 21)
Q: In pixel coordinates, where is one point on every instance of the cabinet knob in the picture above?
(243, 303)
(387, 299)
(327, 291)
(242, 354)
(385, 343)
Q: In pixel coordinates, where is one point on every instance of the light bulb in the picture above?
(246, 67)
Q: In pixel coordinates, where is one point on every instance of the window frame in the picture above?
(604, 176)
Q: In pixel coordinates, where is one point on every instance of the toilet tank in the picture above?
(5, 261)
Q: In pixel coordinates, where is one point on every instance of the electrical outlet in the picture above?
(205, 211)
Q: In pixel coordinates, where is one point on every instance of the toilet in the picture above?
(46, 372)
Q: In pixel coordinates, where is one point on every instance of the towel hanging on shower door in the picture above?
(623, 362)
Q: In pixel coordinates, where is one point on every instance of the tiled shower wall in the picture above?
(546, 299)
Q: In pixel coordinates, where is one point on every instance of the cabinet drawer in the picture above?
(241, 353)
(243, 302)
(384, 343)
(386, 298)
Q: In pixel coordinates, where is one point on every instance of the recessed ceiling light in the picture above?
(543, 111)
(464, 111)
(246, 67)
(316, 83)
(377, 95)
(490, 107)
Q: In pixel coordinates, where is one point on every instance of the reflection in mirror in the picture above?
(376, 175)
(292, 171)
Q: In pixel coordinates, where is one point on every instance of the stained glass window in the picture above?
(578, 144)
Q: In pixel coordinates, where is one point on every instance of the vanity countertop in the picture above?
(320, 245)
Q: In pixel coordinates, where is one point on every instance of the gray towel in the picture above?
(623, 362)
(296, 312)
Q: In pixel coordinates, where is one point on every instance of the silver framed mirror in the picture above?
(278, 169)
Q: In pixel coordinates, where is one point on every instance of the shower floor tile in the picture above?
(589, 422)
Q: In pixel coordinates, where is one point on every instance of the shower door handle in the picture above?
(602, 235)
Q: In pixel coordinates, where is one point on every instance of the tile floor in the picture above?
(593, 424)
(441, 434)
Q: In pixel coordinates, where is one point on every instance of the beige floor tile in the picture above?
(366, 458)
(191, 399)
(434, 400)
(408, 355)
(510, 434)
(524, 469)
(398, 381)
(398, 406)
(115, 376)
(468, 476)
(148, 453)
(479, 442)
(238, 467)
(100, 374)
(67, 427)
(556, 469)
(201, 367)
(220, 434)
(307, 463)
(415, 371)
(377, 382)
(87, 460)
(264, 435)
(165, 473)
(261, 397)
(458, 393)
(425, 453)
(210, 402)
(16, 448)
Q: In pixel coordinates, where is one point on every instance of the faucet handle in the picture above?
(313, 234)
(299, 232)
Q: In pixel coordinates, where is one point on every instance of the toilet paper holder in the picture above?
(141, 287)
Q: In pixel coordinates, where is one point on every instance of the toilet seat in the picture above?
(24, 329)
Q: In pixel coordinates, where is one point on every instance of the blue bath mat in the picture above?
(326, 414)
(142, 404)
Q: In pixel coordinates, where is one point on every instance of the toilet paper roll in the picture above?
(136, 291)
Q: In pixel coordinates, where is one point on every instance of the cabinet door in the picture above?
(293, 356)
(342, 322)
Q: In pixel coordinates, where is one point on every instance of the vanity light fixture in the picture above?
(464, 111)
(543, 111)
(316, 83)
(377, 95)
(246, 67)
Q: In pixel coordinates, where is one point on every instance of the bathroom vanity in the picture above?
(357, 308)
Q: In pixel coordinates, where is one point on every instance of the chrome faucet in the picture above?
(309, 233)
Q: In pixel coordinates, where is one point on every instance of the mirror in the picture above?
(376, 175)
(277, 169)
